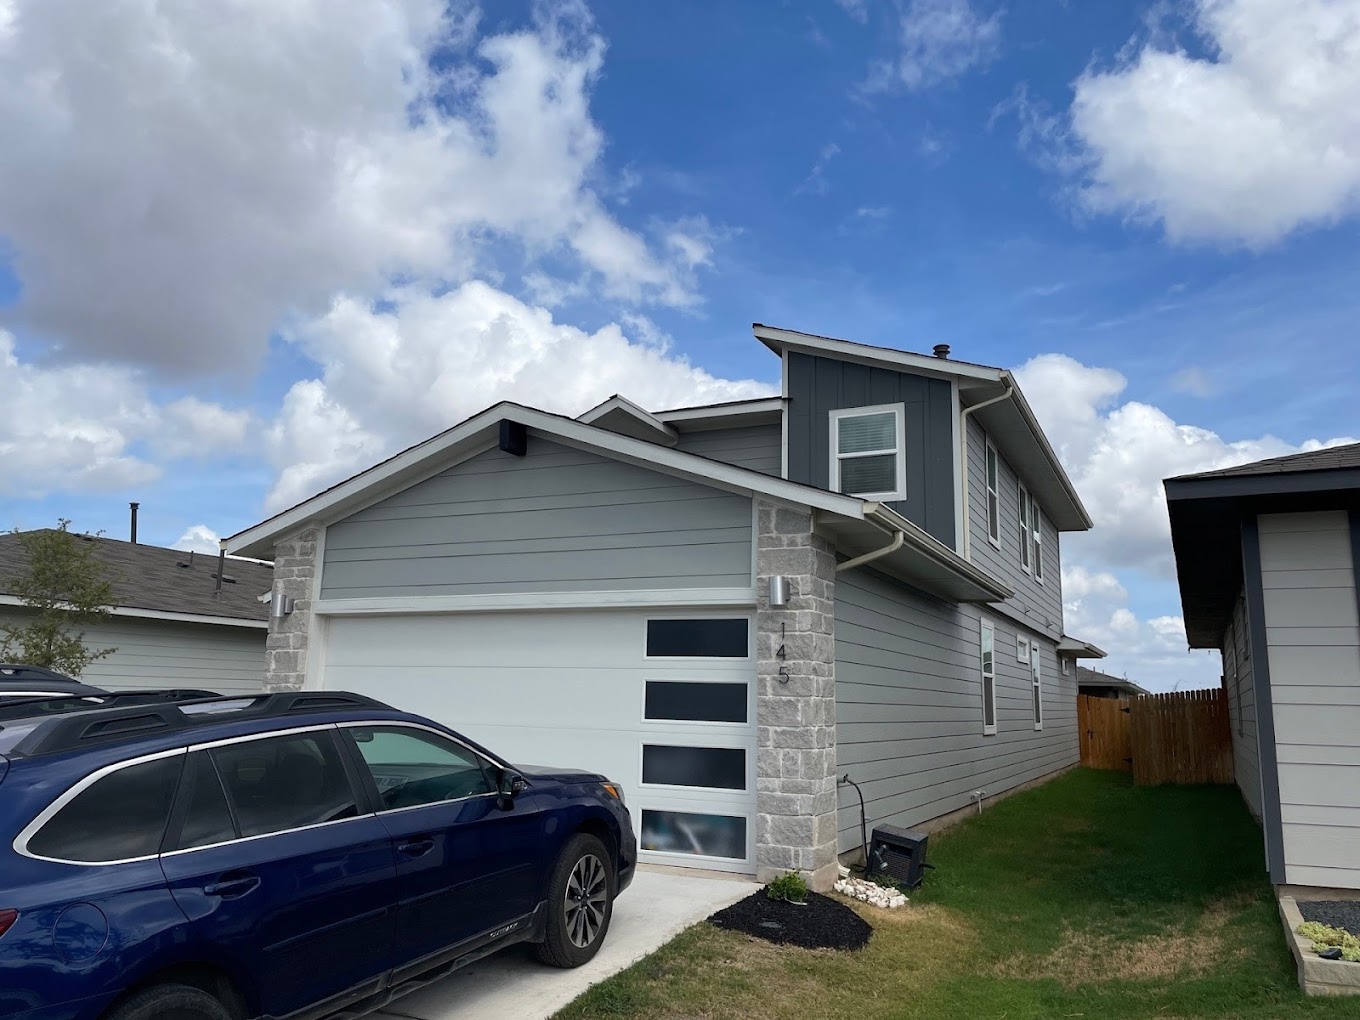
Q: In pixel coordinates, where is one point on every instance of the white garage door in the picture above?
(662, 702)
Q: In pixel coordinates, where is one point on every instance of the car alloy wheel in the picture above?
(587, 894)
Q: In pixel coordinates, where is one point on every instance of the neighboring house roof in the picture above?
(1095, 678)
(859, 526)
(1207, 510)
(1001, 409)
(150, 581)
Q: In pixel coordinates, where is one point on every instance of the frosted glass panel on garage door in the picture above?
(565, 689)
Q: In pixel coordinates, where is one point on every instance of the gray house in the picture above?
(724, 608)
(1267, 556)
(172, 624)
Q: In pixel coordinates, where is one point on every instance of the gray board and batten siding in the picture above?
(909, 726)
(755, 447)
(556, 519)
(818, 386)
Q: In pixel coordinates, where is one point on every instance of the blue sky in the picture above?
(226, 282)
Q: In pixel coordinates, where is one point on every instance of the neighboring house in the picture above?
(1095, 684)
(172, 624)
(1267, 556)
(597, 593)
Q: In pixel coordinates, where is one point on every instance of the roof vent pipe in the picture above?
(941, 350)
(133, 507)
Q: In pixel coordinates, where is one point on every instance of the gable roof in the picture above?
(151, 581)
(1330, 458)
(1001, 409)
(621, 415)
(1095, 678)
(859, 525)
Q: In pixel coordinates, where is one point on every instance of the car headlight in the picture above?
(614, 790)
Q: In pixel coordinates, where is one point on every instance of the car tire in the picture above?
(171, 1002)
(580, 902)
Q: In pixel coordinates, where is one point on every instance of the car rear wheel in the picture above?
(580, 903)
(171, 1002)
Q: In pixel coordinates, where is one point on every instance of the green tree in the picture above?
(68, 589)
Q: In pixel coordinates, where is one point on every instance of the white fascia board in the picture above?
(1052, 457)
(766, 405)
(779, 340)
(157, 614)
(471, 437)
(535, 601)
(622, 405)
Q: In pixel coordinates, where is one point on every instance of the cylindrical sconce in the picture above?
(280, 605)
(779, 590)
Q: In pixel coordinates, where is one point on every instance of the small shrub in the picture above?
(1326, 937)
(788, 888)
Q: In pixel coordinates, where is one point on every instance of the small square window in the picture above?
(1022, 649)
(868, 457)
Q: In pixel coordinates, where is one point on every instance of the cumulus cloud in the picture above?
(1118, 453)
(938, 41)
(397, 373)
(198, 538)
(79, 427)
(1255, 139)
(180, 178)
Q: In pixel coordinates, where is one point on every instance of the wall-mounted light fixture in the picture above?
(280, 605)
(779, 590)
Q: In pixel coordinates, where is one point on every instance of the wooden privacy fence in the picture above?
(1104, 725)
(1181, 737)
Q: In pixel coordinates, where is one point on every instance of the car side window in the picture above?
(280, 783)
(415, 767)
(117, 818)
(207, 816)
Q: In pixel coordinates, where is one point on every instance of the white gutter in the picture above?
(963, 460)
(869, 557)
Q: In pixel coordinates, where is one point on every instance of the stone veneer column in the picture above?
(286, 647)
(796, 712)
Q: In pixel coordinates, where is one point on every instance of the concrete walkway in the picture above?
(513, 985)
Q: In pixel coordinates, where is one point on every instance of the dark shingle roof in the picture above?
(1331, 458)
(150, 577)
(1095, 678)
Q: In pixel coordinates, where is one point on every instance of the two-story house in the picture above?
(725, 608)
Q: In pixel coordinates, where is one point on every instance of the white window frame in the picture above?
(1036, 527)
(1023, 517)
(1022, 649)
(1066, 662)
(1036, 679)
(991, 469)
(986, 638)
(900, 452)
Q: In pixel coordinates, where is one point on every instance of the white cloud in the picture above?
(220, 169)
(939, 40)
(816, 183)
(857, 9)
(1194, 381)
(78, 427)
(1118, 454)
(198, 538)
(1259, 138)
(392, 377)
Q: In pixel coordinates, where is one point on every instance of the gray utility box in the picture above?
(899, 855)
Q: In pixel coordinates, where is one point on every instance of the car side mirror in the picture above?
(511, 784)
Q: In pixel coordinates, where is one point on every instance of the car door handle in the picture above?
(232, 886)
(416, 847)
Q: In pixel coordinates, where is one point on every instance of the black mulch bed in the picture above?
(1343, 914)
(822, 923)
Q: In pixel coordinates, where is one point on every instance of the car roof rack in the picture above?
(64, 704)
(20, 671)
(101, 725)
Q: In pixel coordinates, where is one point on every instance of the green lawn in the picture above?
(1087, 897)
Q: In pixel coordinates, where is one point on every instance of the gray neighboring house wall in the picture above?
(597, 592)
(1267, 557)
(173, 626)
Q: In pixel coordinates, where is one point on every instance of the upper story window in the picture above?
(1036, 530)
(868, 452)
(993, 496)
(1026, 544)
(1031, 534)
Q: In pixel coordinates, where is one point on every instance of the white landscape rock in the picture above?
(871, 893)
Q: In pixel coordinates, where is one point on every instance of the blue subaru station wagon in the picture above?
(287, 855)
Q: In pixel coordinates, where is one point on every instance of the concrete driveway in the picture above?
(513, 985)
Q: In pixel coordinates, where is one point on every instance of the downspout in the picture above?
(869, 557)
(963, 459)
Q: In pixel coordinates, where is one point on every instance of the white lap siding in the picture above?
(1313, 637)
(909, 706)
